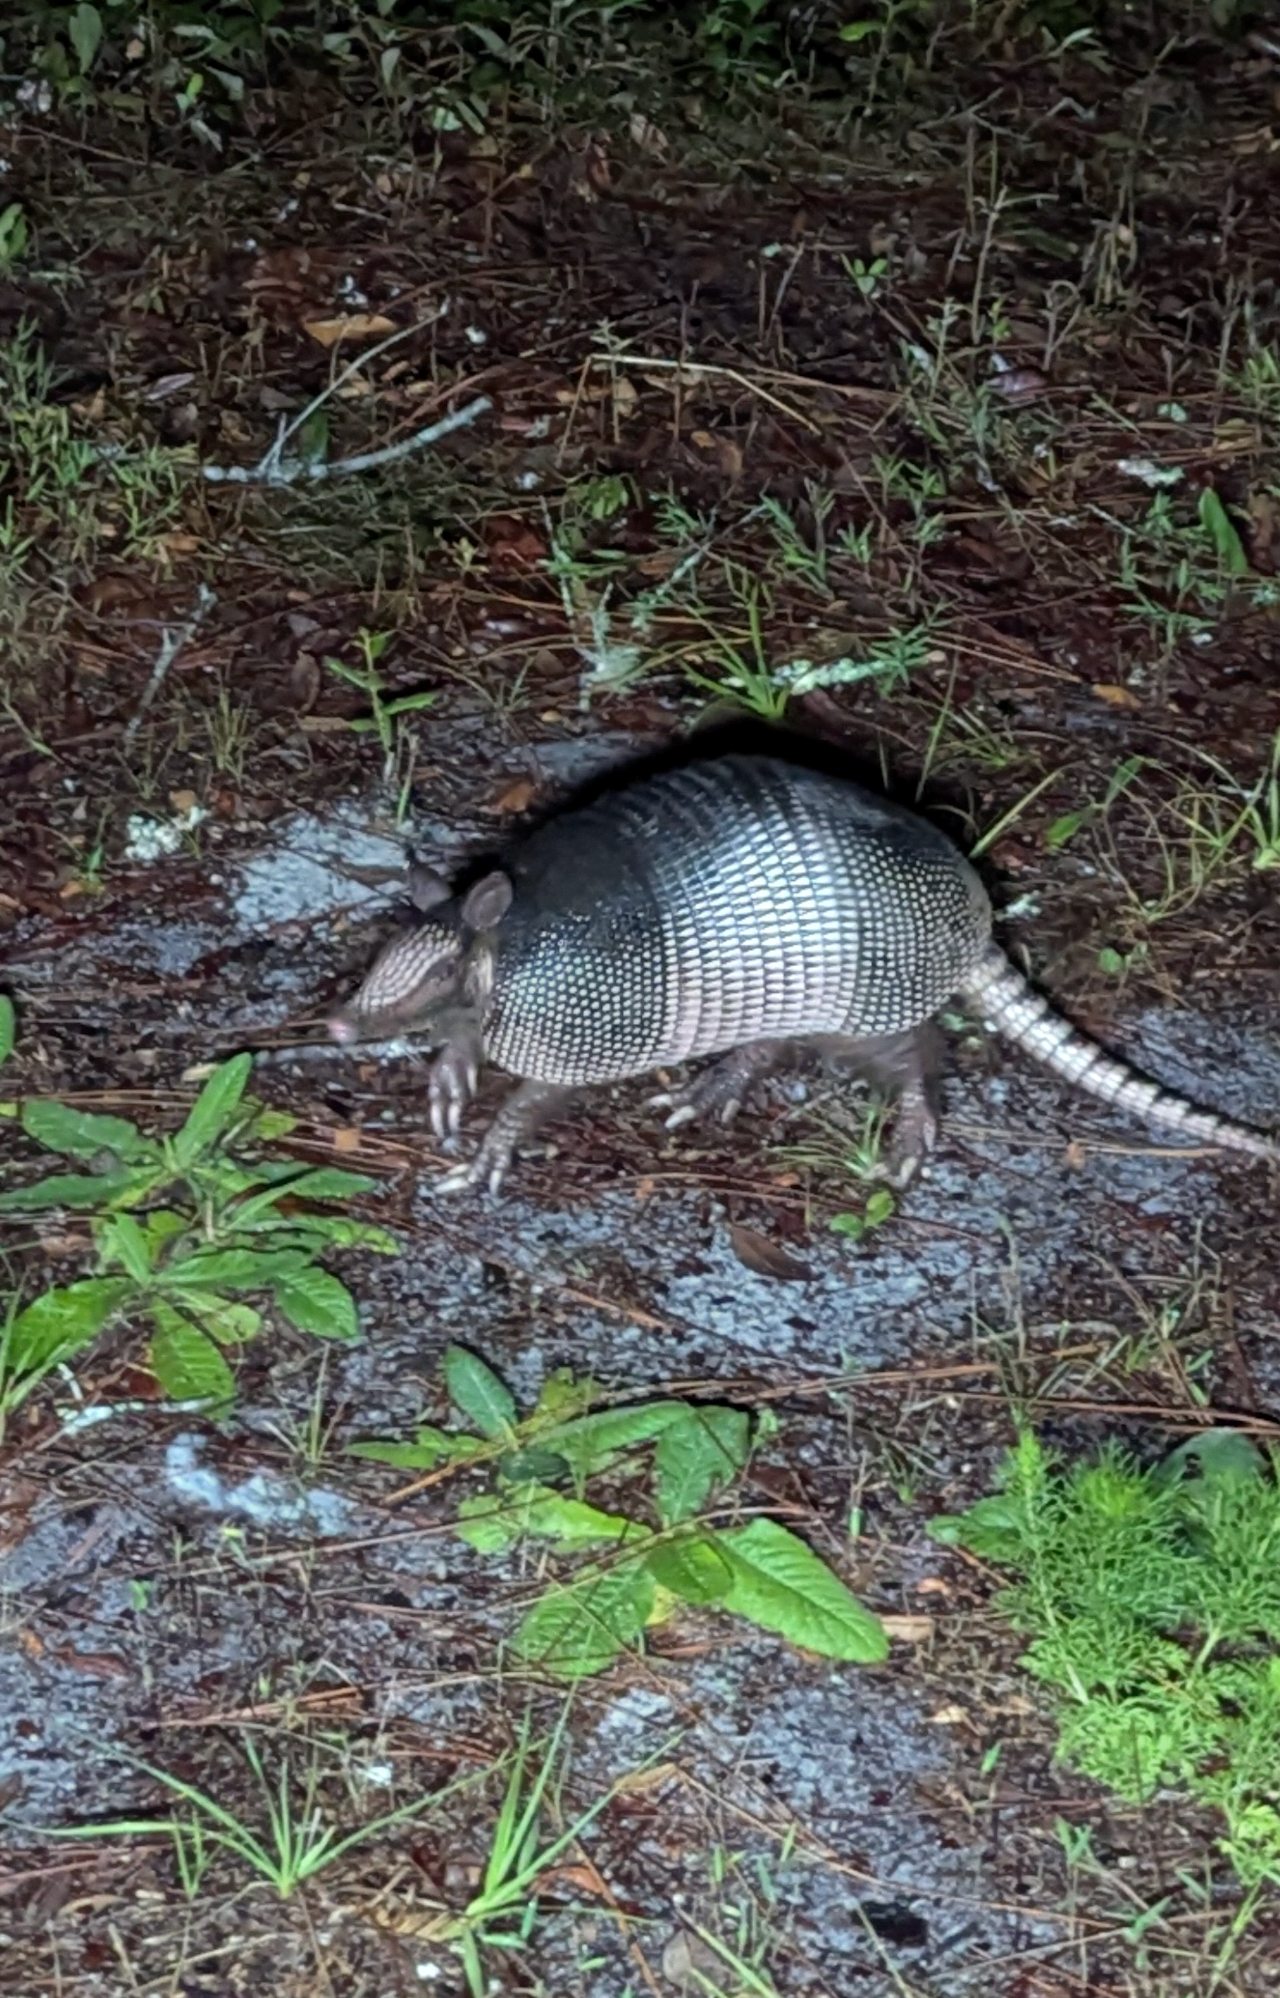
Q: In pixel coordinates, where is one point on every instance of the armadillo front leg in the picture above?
(722, 1089)
(517, 1119)
(451, 1083)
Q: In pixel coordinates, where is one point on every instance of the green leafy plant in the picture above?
(186, 1230)
(880, 1207)
(1151, 1599)
(384, 714)
(580, 1625)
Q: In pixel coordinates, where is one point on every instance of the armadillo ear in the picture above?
(484, 906)
(427, 889)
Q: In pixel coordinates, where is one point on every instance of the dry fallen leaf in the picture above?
(350, 326)
(517, 797)
(909, 1629)
(647, 135)
(723, 449)
(758, 1253)
(1115, 697)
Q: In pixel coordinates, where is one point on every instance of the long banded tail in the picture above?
(1002, 999)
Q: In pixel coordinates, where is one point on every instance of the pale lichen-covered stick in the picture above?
(735, 907)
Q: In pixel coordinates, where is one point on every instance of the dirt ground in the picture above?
(985, 353)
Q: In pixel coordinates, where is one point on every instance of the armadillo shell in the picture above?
(727, 902)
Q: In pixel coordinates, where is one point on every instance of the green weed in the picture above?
(69, 500)
(287, 1846)
(581, 1625)
(1179, 566)
(740, 671)
(504, 1910)
(385, 715)
(1151, 1602)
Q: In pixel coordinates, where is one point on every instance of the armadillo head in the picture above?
(437, 976)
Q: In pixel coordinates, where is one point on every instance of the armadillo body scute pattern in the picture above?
(735, 901)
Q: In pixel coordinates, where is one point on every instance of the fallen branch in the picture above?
(276, 470)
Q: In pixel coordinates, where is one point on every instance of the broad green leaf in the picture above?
(340, 1231)
(692, 1567)
(571, 1522)
(431, 1446)
(564, 1395)
(474, 1388)
(581, 1628)
(61, 1128)
(331, 1183)
(8, 1027)
(534, 1465)
(70, 1190)
(693, 1456)
(489, 1524)
(266, 1172)
(994, 1528)
(213, 1109)
(592, 1441)
(59, 1323)
(317, 1302)
(496, 1520)
(780, 1584)
(163, 1224)
(271, 1125)
(186, 1362)
(120, 1239)
(84, 28)
(236, 1269)
(223, 1318)
(1216, 1455)
(298, 1183)
(217, 1180)
(312, 1233)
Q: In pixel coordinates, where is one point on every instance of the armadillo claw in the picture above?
(687, 1104)
(897, 1171)
(457, 1181)
(487, 1170)
(450, 1088)
(913, 1141)
(684, 1113)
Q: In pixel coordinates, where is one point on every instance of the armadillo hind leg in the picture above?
(517, 1119)
(722, 1088)
(907, 1067)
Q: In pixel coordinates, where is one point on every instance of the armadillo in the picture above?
(736, 907)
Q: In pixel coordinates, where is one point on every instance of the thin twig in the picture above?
(272, 470)
(171, 645)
